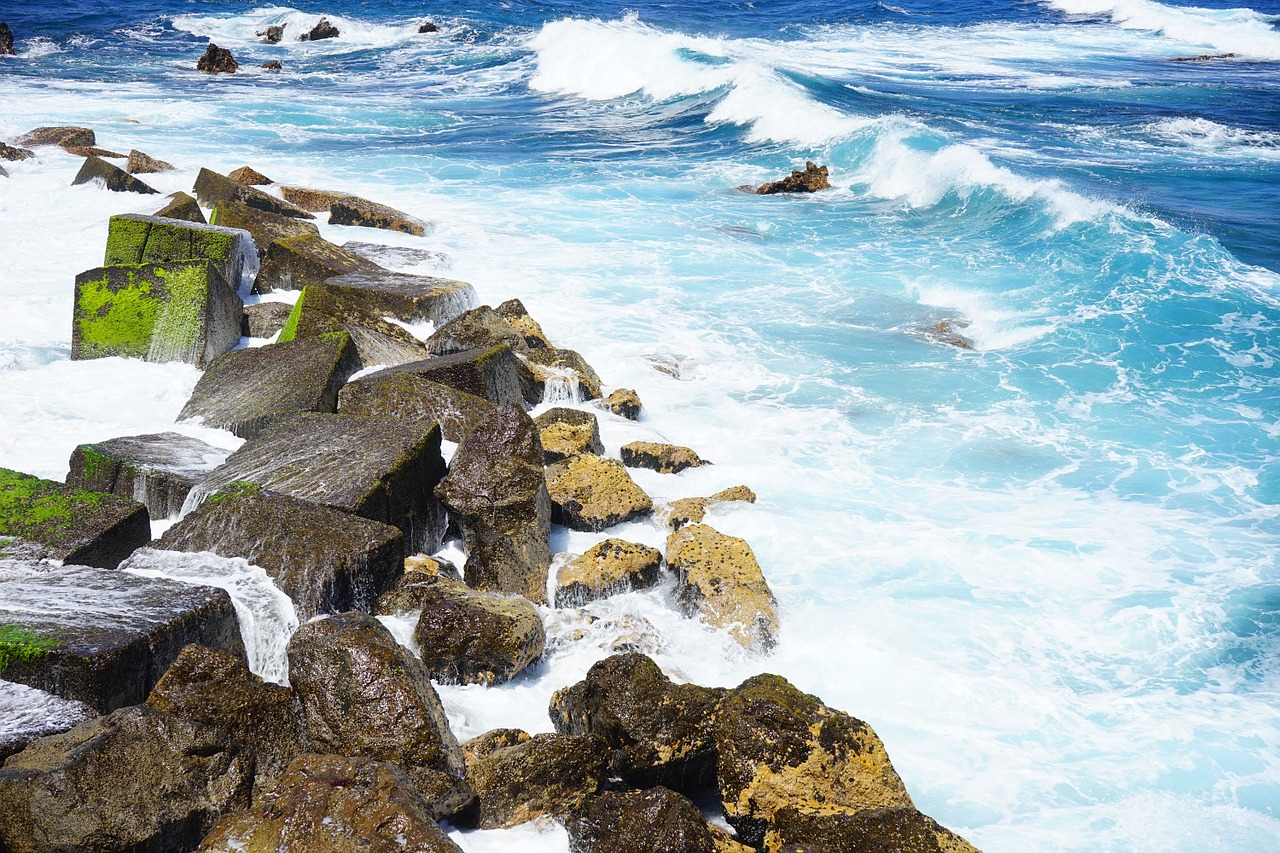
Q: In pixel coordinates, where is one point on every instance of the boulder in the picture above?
(211, 187)
(735, 493)
(249, 176)
(247, 390)
(365, 694)
(475, 329)
(335, 804)
(657, 820)
(625, 403)
(693, 510)
(264, 319)
(94, 151)
(375, 467)
(353, 210)
(514, 312)
(263, 226)
(407, 298)
(136, 239)
(717, 577)
(779, 747)
(103, 637)
(608, 568)
(592, 493)
(663, 458)
(888, 830)
(947, 332)
(138, 779)
(217, 60)
(316, 201)
(62, 136)
(546, 775)
(660, 732)
(323, 312)
(264, 721)
(496, 492)
(568, 432)
(272, 65)
(488, 373)
(481, 746)
(9, 152)
(140, 164)
(272, 34)
(322, 30)
(812, 179)
(158, 470)
(179, 311)
(325, 560)
(75, 526)
(183, 207)
(407, 396)
(428, 27)
(6, 39)
(568, 369)
(298, 262)
(27, 714)
(110, 176)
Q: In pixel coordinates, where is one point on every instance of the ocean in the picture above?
(1042, 565)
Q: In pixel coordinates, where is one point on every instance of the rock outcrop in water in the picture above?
(352, 210)
(217, 60)
(718, 578)
(323, 312)
(545, 775)
(607, 568)
(568, 432)
(322, 30)
(409, 396)
(64, 136)
(663, 458)
(110, 176)
(6, 40)
(140, 164)
(211, 187)
(812, 179)
(182, 206)
(590, 492)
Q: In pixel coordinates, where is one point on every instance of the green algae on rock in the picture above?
(321, 310)
(18, 645)
(158, 470)
(133, 238)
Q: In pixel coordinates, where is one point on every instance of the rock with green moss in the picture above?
(550, 774)
(294, 263)
(779, 747)
(404, 297)
(901, 830)
(377, 468)
(660, 732)
(104, 637)
(182, 207)
(264, 226)
(608, 568)
(479, 328)
(62, 136)
(180, 311)
(211, 187)
(568, 432)
(136, 239)
(593, 493)
(407, 396)
(247, 390)
(487, 373)
(324, 559)
(322, 311)
(158, 470)
(111, 176)
(657, 820)
(138, 779)
(353, 210)
(719, 579)
(74, 525)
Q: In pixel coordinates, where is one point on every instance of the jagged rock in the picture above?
(316, 201)
(264, 227)
(9, 152)
(663, 458)
(428, 27)
(76, 526)
(779, 747)
(247, 390)
(624, 402)
(272, 34)
(421, 566)
(182, 207)
(104, 637)
(397, 256)
(660, 732)
(321, 311)
(249, 177)
(1205, 57)
(610, 567)
(211, 187)
(947, 332)
(325, 560)
(812, 179)
(157, 470)
(263, 720)
(489, 373)
(717, 577)
(566, 364)
(735, 493)
(136, 239)
(684, 511)
(514, 312)
(407, 298)
(138, 779)
(295, 263)
(140, 164)
(546, 775)
(481, 746)
(322, 30)
(6, 39)
(568, 432)
(592, 493)
(657, 820)
(353, 210)
(375, 467)
(496, 492)
(62, 136)
(899, 830)
(27, 714)
(475, 329)
(334, 804)
(272, 65)
(365, 694)
(217, 60)
(264, 319)
(93, 151)
(111, 176)
(407, 396)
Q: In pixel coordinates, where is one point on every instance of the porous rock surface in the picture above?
(812, 179)
(549, 774)
(663, 458)
(591, 492)
(657, 820)
(487, 373)
(718, 578)
(568, 432)
(353, 210)
(608, 568)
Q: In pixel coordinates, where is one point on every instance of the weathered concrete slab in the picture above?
(157, 470)
(488, 373)
(294, 263)
(408, 298)
(133, 238)
(321, 311)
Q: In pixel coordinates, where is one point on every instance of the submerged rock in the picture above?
(75, 526)
(322, 30)
(397, 256)
(486, 373)
(625, 403)
(657, 820)
(353, 210)
(663, 458)
(592, 493)
(692, 510)
(408, 396)
(272, 34)
(717, 577)
(140, 163)
(298, 262)
(428, 27)
(249, 176)
(812, 179)
(183, 207)
(263, 226)
(568, 432)
(211, 187)
(158, 470)
(611, 567)
(110, 176)
(546, 775)
(217, 60)
(323, 312)
(62, 136)
(903, 830)
(272, 65)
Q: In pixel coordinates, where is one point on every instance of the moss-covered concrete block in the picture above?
(247, 390)
(102, 637)
(211, 187)
(353, 210)
(265, 227)
(110, 176)
(294, 263)
(322, 311)
(406, 396)
(136, 239)
(408, 298)
(488, 373)
(180, 311)
(156, 470)
(74, 525)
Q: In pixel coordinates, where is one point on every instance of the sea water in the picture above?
(1043, 568)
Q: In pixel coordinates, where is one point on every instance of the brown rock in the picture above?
(249, 176)
(487, 373)
(568, 368)
(93, 151)
(428, 27)
(592, 493)
(182, 206)
(108, 175)
(625, 403)
(6, 38)
(735, 493)
(568, 432)
(405, 297)
(610, 567)
(407, 396)
(546, 775)
(316, 201)
(717, 577)
(272, 65)
(663, 458)
(263, 226)
(217, 60)
(657, 820)
(9, 152)
(211, 187)
(140, 163)
(62, 136)
(321, 312)
(812, 179)
(692, 510)
(514, 312)
(352, 210)
(478, 328)
(295, 263)
(895, 830)
(481, 746)
(264, 319)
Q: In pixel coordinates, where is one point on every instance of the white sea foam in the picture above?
(1243, 32)
(243, 29)
(1210, 137)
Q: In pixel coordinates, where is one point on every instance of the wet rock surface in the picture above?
(408, 396)
(479, 328)
(272, 34)
(249, 176)
(608, 568)
(141, 164)
(12, 153)
(217, 60)
(407, 298)
(594, 493)
(159, 470)
(211, 187)
(568, 432)
(110, 176)
(322, 311)
(263, 226)
(486, 373)
(812, 179)
(6, 39)
(890, 830)
(314, 200)
(294, 263)
(663, 458)
(322, 30)
(353, 210)
(546, 775)
(62, 136)
(137, 239)
(719, 579)
(657, 820)
(264, 319)
(625, 403)
(566, 365)
(182, 207)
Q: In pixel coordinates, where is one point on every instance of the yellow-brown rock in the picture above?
(482, 746)
(663, 458)
(249, 176)
(591, 493)
(316, 201)
(555, 363)
(735, 493)
(568, 432)
(718, 577)
(625, 403)
(546, 775)
(610, 567)
(513, 311)
(902, 830)
(693, 510)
